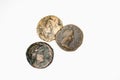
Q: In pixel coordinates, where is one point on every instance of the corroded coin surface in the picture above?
(39, 55)
(70, 37)
(48, 27)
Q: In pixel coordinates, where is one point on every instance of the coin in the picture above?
(48, 27)
(70, 37)
(39, 55)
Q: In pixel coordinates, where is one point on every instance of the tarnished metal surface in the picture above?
(48, 27)
(39, 55)
(69, 38)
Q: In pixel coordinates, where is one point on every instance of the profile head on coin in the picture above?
(70, 37)
(48, 27)
(39, 55)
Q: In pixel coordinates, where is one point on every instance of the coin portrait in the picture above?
(70, 37)
(39, 55)
(48, 27)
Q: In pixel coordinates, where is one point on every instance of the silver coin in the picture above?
(39, 55)
(48, 27)
(70, 37)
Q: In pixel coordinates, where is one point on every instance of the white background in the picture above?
(97, 59)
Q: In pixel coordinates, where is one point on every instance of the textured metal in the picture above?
(70, 37)
(48, 27)
(39, 55)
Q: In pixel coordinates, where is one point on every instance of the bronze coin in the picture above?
(70, 37)
(48, 27)
(39, 55)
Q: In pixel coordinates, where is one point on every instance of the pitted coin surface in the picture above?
(39, 55)
(48, 27)
(70, 37)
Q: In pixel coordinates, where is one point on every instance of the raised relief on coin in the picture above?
(39, 55)
(70, 37)
(48, 27)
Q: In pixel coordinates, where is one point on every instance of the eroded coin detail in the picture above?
(48, 27)
(70, 37)
(39, 55)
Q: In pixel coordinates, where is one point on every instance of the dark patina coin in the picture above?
(48, 27)
(39, 55)
(70, 37)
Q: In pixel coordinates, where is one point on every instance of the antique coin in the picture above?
(48, 27)
(39, 55)
(69, 38)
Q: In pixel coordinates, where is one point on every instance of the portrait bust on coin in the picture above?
(69, 38)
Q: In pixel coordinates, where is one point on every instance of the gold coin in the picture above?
(48, 27)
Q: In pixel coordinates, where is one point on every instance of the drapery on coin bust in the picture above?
(48, 27)
(39, 55)
(70, 37)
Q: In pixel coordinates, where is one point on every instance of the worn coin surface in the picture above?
(48, 27)
(39, 55)
(70, 37)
